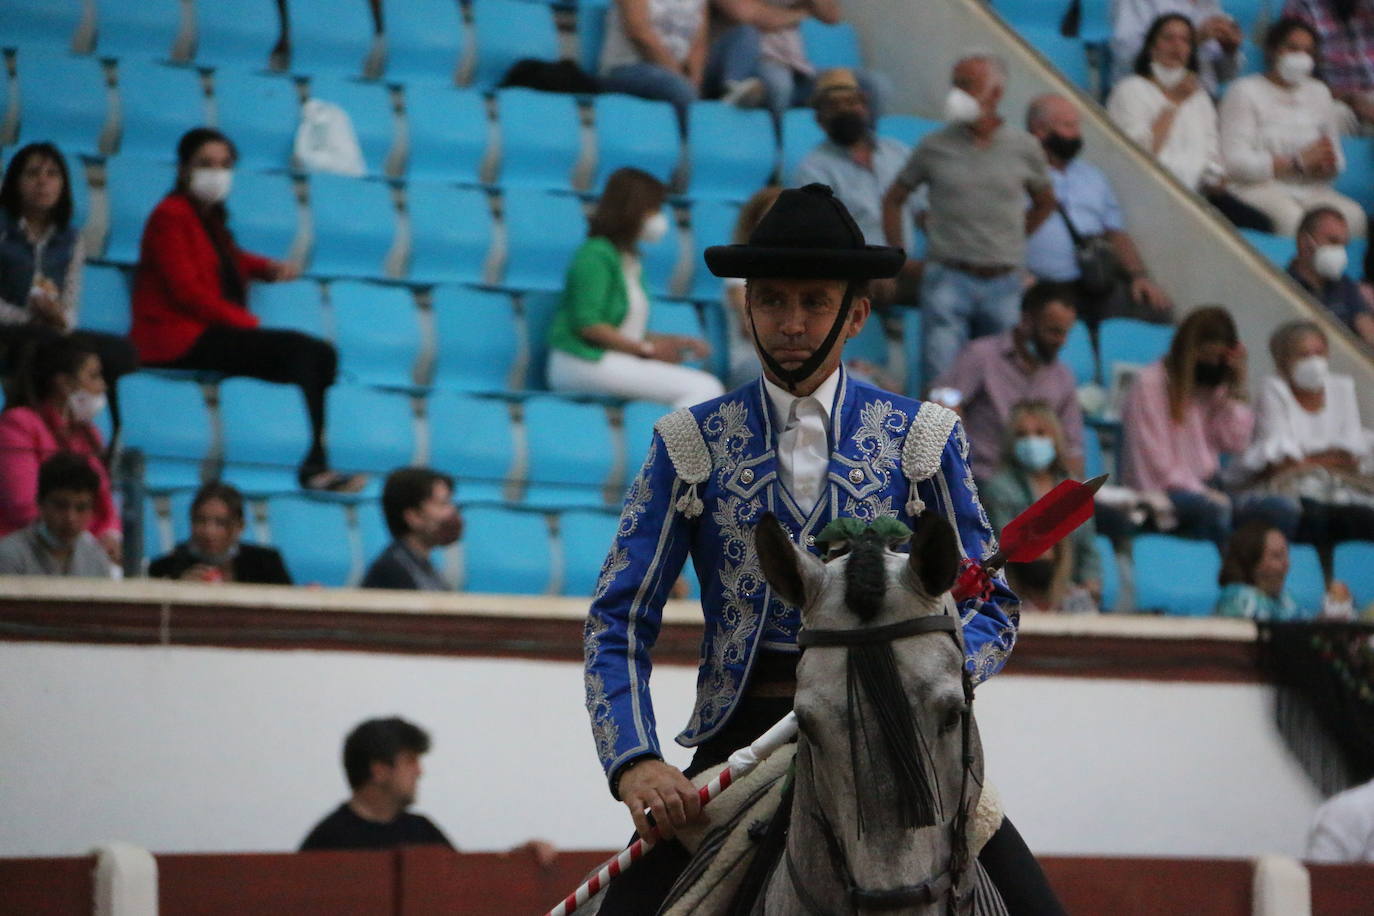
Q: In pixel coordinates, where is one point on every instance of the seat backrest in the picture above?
(331, 36)
(451, 233)
(1278, 249)
(355, 226)
(538, 310)
(1111, 574)
(591, 33)
(370, 109)
(471, 438)
(585, 536)
(46, 24)
(570, 452)
(1078, 354)
(1306, 582)
(733, 150)
(104, 300)
(638, 424)
(64, 99)
(314, 538)
(1357, 180)
(134, 186)
(506, 551)
(542, 232)
(1126, 340)
(424, 39)
(909, 129)
(449, 133)
(379, 427)
(130, 28)
(713, 223)
(239, 34)
(264, 424)
(1175, 575)
(507, 31)
(800, 134)
(1066, 54)
(377, 331)
(653, 145)
(831, 45)
(264, 213)
(477, 344)
(661, 261)
(541, 138)
(261, 113)
(1093, 461)
(150, 402)
(294, 306)
(1354, 565)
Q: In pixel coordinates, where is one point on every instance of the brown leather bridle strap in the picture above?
(935, 623)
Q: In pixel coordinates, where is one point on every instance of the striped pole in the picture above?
(741, 762)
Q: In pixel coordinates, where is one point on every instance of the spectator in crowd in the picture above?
(761, 39)
(656, 49)
(977, 171)
(59, 543)
(1345, 39)
(1280, 135)
(1254, 568)
(992, 375)
(420, 514)
(859, 166)
(599, 342)
(1319, 268)
(1310, 453)
(61, 394)
(1181, 414)
(1218, 35)
(1164, 108)
(214, 553)
(191, 292)
(1087, 209)
(744, 362)
(41, 259)
(1033, 463)
(1343, 827)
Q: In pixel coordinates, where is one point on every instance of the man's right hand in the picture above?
(661, 788)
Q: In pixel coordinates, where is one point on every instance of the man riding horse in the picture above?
(807, 443)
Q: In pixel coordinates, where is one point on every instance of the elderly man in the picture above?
(806, 443)
(1319, 268)
(977, 171)
(1087, 209)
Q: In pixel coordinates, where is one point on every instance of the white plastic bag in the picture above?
(326, 141)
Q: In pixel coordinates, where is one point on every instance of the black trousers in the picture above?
(641, 890)
(285, 357)
(117, 355)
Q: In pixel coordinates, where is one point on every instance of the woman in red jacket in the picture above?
(190, 295)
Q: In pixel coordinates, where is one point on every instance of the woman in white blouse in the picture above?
(1309, 445)
(1164, 108)
(1280, 134)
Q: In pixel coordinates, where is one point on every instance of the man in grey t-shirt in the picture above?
(978, 171)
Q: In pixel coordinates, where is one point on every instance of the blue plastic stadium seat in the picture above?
(639, 420)
(369, 108)
(591, 33)
(507, 31)
(472, 439)
(541, 139)
(237, 34)
(909, 129)
(870, 345)
(1111, 574)
(264, 213)
(660, 261)
(377, 331)
(570, 453)
(585, 536)
(1021, 14)
(355, 226)
(1357, 181)
(424, 39)
(45, 24)
(1126, 340)
(81, 192)
(732, 150)
(376, 430)
(314, 539)
(139, 28)
(104, 300)
(538, 309)
(1354, 565)
(449, 133)
(1277, 248)
(158, 101)
(135, 186)
(179, 514)
(1065, 54)
(173, 450)
(294, 306)
(1306, 582)
(331, 36)
(1093, 461)
(266, 434)
(542, 232)
(1078, 354)
(1175, 575)
(451, 232)
(713, 223)
(506, 551)
(477, 341)
(653, 144)
(830, 45)
(64, 99)
(677, 318)
(373, 535)
(260, 113)
(156, 532)
(912, 334)
(800, 135)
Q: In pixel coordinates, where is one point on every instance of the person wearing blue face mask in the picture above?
(1070, 575)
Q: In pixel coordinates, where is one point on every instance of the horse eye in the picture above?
(952, 719)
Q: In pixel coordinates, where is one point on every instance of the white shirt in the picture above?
(1260, 120)
(1284, 429)
(1131, 19)
(1192, 148)
(803, 442)
(1343, 828)
(636, 323)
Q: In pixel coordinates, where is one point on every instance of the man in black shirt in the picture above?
(420, 514)
(382, 760)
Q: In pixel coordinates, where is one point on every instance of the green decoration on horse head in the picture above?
(842, 532)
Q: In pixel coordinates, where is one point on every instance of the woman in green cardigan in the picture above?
(599, 341)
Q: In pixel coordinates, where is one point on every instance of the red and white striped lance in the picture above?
(741, 762)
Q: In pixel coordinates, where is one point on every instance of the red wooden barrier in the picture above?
(47, 887)
(342, 883)
(1341, 890)
(1148, 887)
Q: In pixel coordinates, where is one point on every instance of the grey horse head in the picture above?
(882, 790)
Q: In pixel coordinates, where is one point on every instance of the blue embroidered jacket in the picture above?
(710, 475)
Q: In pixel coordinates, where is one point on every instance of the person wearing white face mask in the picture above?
(1280, 135)
(1320, 267)
(62, 394)
(1219, 36)
(599, 339)
(1310, 449)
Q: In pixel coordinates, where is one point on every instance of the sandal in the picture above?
(335, 482)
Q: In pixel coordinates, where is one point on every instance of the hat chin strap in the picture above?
(791, 378)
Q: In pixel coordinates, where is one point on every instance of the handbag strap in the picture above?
(1068, 223)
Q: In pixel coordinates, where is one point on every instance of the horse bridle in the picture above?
(939, 885)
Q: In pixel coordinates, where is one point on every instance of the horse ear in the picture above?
(786, 566)
(934, 557)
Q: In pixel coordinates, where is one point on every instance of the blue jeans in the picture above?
(653, 82)
(1201, 517)
(957, 307)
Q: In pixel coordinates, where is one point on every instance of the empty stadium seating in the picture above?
(477, 346)
(506, 551)
(1126, 341)
(266, 434)
(1078, 354)
(507, 31)
(473, 439)
(355, 226)
(134, 187)
(314, 538)
(41, 24)
(167, 419)
(237, 34)
(542, 232)
(369, 109)
(259, 113)
(331, 36)
(376, 429)
(570, 453)
(732, 151)
(652, 146)
(1306, 582)
(294, 306)
(800, 134)
(64, 100)
(451, 231)
(263, 213)
(159, 102)
(584, 536)
(424, 41)
(104, 300)
(1190, 588)
(541, 140)
(158, 29)
(377, 331)
(449, 133)
(1354, 565)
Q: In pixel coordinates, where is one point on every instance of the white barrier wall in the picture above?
(185, 749)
